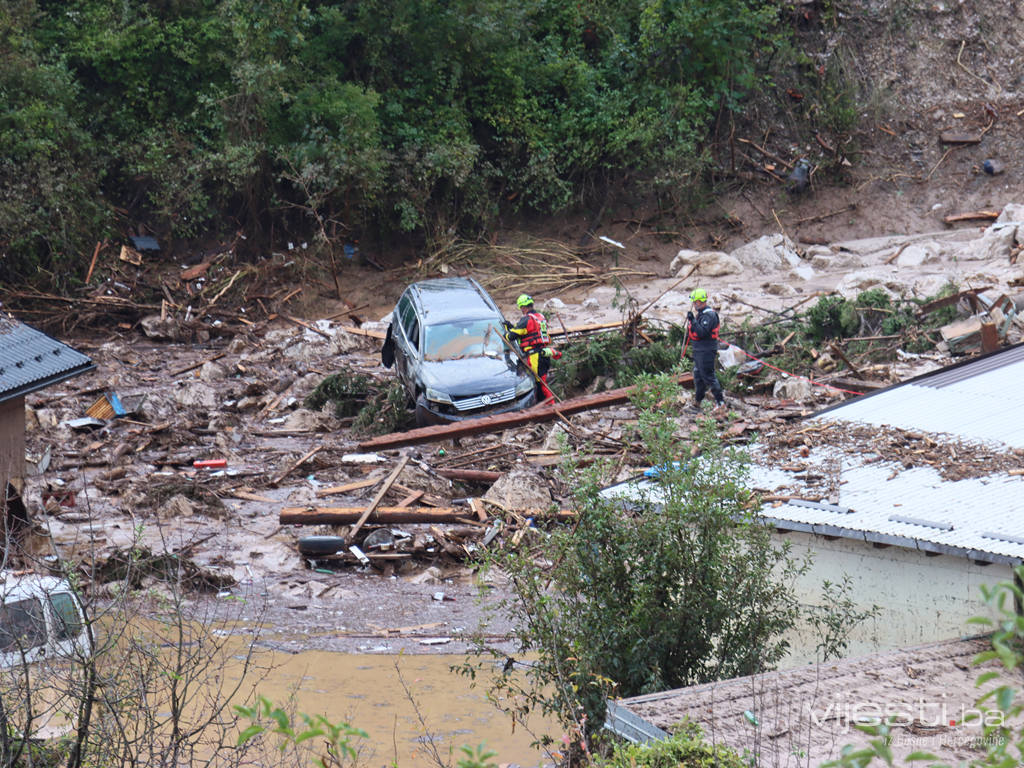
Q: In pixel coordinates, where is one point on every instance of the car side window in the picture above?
(69, 621)
(22, 625)
(411, 326)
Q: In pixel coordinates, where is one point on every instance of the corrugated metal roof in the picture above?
(980, 399)
(31, 360)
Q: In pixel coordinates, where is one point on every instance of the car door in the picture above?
(407, 344)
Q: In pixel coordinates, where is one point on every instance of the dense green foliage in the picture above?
(686, 749)
(685, 587)
(378, 406)
(347, 118)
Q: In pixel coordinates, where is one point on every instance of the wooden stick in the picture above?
(296, 465)
(766, 153)
(410, 499)
(693, 268)
(849, 365)
(895, 256)
(377, 499)
(349, 487)
(305, 325)
(92, 264)
(197, 365)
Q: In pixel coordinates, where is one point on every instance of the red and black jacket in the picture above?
(531, 332)
(704, 330)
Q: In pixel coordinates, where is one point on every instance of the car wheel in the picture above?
(421, 412)
(321, 545)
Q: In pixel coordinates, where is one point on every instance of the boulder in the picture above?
(176, 506)
(836, 261)
(792, 389)
(683, 259)
(552, 304)
(856, 282)
(929, 285)
(768, 253)
(194, 394)
(914, 256)
(211, 371)
(591, 303)
(1011, 212)
(238, 345)
(780, 289)
(801, 273)
(521, 488)
(160, 330)
(717, 264)
(302, 420)
(996, 243)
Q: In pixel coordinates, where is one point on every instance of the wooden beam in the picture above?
(500, 422)
(859, 386)
(337, 489)
(377, 499)
(396, 515)
(973, 216)
(960, 138)
(470, 475)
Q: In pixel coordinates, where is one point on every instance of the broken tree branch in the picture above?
(377, 499)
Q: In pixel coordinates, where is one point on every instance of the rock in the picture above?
(176, 506)
(996, 243)
(194, 393)
(591, 303)
(768, 254)
(683, 259)
(211, 371)
(553, 303)
(837, 260)
(929, 285)
(237, 345)
(160, 330)
(856, 282)
(914, 256)
(780, 289)
(792, 389)
(1011, 212)
(302, 420)
(801, 273)
(431, 575)
(818, 250)
(521, 488)
(717, 264)
(247, 403)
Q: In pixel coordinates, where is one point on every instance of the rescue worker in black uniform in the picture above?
(703, 334)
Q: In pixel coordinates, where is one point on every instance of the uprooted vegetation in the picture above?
(377, 406)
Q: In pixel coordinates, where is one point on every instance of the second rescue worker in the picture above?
(532, 334)
(703, 326)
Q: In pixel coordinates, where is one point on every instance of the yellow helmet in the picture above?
(699, 294)
(524, 300)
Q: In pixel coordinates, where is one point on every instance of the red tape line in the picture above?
(809, 381)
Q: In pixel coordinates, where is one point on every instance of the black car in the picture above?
(445, 340)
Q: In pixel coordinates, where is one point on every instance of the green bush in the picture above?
(686, 749)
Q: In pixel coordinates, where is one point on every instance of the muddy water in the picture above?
(367, 691)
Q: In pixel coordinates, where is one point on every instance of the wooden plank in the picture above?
(377, 499)
(411, 499)
(470, 475)
(972, 216)
(859, 386)
(296, 465)
(585, 328)
(989, 338)
(478, 507)
(337, 489)
(395, 515)
(253, 497)
(306, 325)
(960, 138)
(500, 422)
(361, 332)
(949, 301)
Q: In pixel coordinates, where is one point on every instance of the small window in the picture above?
(22, 626)
(69, 621)
(411, 326)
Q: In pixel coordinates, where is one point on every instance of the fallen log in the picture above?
(500, 422)
(972, 216)
(395, 515)
(470, 475)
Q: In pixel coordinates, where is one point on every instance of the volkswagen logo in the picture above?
(486, 399)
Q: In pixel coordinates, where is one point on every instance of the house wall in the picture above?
(12, 442)
(922, 599)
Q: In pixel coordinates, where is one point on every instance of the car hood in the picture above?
(472, 376)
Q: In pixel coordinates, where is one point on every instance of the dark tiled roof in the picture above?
(31, 360)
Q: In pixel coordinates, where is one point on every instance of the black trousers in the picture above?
(704, 375)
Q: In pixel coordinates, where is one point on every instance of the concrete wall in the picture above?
(922, 599)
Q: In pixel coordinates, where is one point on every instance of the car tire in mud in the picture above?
(321, 545)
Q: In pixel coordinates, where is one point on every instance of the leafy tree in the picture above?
(681, 585)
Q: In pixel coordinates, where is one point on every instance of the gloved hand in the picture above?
(689, 317)
(547, 352)
(507, 324)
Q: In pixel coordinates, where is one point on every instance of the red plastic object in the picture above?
(210, 464)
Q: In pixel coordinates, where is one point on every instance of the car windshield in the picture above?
(456, 341)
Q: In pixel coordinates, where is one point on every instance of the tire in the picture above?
(321, 545)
